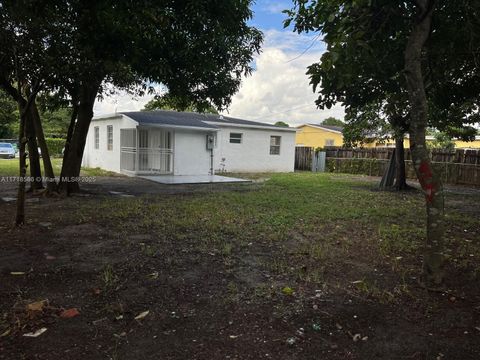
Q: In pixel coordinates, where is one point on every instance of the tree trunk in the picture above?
(72, 160)
(23, 107)
(395, 170)
(434, 258)
(22, 140)
(400, 173)
(71, 127)
(389, 173)
(35, 169)
(47, 163)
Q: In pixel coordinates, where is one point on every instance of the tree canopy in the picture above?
(364, 63)
(166, 102)
(199, 50)
(282, 123)
(411, 64)
(332, 121)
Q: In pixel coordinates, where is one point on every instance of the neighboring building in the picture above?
(459, 144)
(182, 143)
(317, 135)
(313, 135)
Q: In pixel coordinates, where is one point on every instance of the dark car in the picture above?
(7, 151)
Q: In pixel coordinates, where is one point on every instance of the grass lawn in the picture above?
(9, 167)
(302, 266)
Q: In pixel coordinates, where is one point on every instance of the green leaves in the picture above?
(8, 116)
(363, 67)
(198, 49)
(168, 102)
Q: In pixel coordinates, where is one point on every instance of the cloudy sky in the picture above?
(278, 89)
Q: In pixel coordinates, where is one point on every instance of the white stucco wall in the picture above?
(253, 154)
(191, 156)
(101, 157)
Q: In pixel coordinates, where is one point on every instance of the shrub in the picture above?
(55, 146)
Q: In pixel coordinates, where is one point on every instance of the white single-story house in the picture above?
(186, 143)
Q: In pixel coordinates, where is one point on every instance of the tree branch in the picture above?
(425, 7)
(422, 4)
(10, 90)
(31, 97)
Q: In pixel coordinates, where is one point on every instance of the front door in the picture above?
(155, 151)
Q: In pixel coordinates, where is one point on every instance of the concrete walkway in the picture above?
(193, 179)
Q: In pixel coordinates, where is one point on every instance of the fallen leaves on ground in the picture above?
(37, 305)
(142, 315)
(36, 333)
(69, 313)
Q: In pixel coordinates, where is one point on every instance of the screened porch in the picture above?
(146, 151)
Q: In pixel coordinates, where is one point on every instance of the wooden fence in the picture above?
(303, 157)
(460, 156)
(455, 167)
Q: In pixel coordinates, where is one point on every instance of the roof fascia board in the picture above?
(109, 116)
(166, 126)
(320, 127)
(279, 128)
(146, 125)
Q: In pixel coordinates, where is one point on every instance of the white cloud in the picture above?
(121, 101)
(278, 89)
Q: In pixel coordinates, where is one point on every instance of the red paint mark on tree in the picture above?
(426, 180)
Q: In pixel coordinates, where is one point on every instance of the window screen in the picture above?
(109, 137)
(97, 137)
(275, 145)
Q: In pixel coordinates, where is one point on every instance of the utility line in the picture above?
(285, 111)
(304, 51)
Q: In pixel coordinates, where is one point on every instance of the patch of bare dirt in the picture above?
(143, 295)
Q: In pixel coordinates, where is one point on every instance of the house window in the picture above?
(235, 138)
(109, 137)
(275, 145)
(97, 137)
(329, 142)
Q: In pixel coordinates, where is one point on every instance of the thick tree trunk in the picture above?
(400, 173)
(394, 176)
(434, 258)
(47, 163)
(71, 127)
(35, 169)
(72, 160)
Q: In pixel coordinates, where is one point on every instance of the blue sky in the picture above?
(278, 89)
(268, 14)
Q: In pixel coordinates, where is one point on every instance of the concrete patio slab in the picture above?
(192, 179)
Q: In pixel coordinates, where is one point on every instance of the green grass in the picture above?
(9, 167)
(287, 201)
(312, 221)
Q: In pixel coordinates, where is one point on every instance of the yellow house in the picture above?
(313, 135)
(459, 144)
